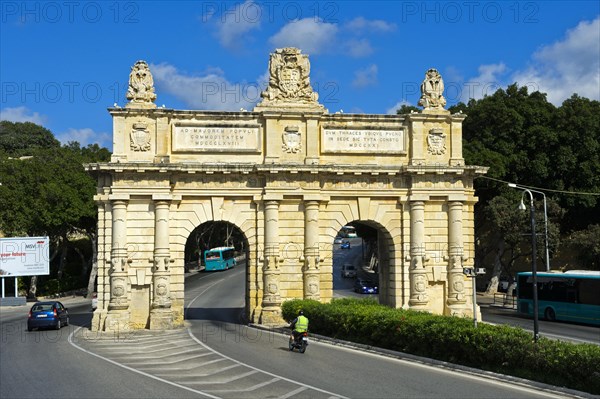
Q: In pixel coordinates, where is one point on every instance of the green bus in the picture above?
(569, 296)
(220, 258)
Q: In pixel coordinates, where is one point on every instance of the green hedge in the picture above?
(502, 349)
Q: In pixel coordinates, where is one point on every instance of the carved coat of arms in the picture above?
(291, 140)
(289, 79)
(436, 142)
(140, 137)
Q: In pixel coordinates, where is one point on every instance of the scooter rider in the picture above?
(299, 325)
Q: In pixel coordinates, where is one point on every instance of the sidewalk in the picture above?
(67, 301)
(499, 300)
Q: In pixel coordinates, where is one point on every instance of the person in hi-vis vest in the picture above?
(299, 325)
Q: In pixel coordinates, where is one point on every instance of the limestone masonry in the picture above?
(289, 175)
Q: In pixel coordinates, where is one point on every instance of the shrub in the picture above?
(503, 349)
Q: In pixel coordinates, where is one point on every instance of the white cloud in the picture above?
(22, 114)
(392, 110)
(85, 136)
(311, 35)
(314, 36)
(211, 91)
(234, 25)
(358, 47)
(360, 24)
(365, 77)
(568, 66)
(486, 83)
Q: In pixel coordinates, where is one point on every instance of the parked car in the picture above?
(345, 245)
(348, 270)
(337, 240)
(365, 287)
(50, 314)
(94, 301)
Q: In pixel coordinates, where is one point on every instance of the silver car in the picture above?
(348, 270)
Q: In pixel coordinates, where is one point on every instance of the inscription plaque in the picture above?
(216, 139)
(363, 140)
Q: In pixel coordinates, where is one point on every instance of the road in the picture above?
(43, 364)
(572, 332)
(217, 356)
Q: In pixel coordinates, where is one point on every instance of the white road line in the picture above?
(152, 364)
(217, 371)
(227, 380)
(292, 393)
(247, 365)
(138, 371)
(252, 388)
(135, 356)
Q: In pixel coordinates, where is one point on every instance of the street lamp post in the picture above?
(533, 258)
(513, 185)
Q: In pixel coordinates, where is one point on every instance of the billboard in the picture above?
(24, 256)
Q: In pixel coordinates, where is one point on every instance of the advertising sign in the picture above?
(24, 256)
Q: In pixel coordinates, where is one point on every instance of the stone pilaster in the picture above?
(311, 251)
(117, 318)
(271, 304)
(456, 299)
(161, 315)
(419, 297)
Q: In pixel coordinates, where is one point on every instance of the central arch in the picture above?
(288, 176)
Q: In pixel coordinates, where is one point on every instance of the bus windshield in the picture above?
(570, 296)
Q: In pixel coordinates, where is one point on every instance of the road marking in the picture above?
(252, 388)
(138, 371)
(247, 365)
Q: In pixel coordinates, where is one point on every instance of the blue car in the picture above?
(345, 245)
(365, 287)
(50, 314)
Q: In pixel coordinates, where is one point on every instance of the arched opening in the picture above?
(227, 241)
(357, 255)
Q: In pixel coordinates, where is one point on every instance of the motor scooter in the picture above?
(300, 342)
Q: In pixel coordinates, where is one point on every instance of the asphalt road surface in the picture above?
(219, 356)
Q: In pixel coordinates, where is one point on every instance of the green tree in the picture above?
(525, 139)
(17, 138)
(586, 244)
(47, 193)
(407, 109)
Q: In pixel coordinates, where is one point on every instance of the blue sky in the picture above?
(62, 64)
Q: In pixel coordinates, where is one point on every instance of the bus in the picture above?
(220, 258)
(569, 296)
(348, 232)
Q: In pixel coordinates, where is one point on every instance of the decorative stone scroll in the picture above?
(141, 87)
(289, 81)
(432, 90)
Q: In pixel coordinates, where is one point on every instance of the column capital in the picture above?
(119, 197)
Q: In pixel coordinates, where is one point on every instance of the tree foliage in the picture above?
(45, 189)
(524, 139)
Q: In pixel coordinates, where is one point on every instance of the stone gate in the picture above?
(289, 175)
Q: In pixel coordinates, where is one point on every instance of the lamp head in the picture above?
(522, 205)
